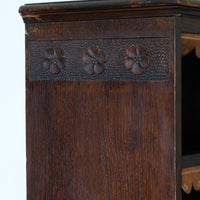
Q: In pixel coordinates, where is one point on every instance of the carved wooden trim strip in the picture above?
(191, 178)
(189, 42)
(73, 63)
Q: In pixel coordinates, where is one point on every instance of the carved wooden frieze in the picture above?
(100, 59)
(94, 60)
(190, 41)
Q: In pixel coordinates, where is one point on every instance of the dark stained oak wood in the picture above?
(106, 9)
(101, 29)
(103, 4)
(88, 142)
(104, 99)
(178, 106)
(110, 13)
(114, 64)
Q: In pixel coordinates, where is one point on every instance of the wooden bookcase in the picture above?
(112, 100)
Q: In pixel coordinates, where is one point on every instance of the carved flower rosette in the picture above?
(54, 59)
(136, 59)
(94, 60)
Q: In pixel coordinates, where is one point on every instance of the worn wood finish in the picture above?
(95, 142)
(96, 147)
(88, 142)
(108, 13)
(102, 126)
(107, 9)
(101, 5)
(100, 29)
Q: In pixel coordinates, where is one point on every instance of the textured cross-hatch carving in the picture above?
(104, 59)
(54, 59)
(94, 60)
(136, 59)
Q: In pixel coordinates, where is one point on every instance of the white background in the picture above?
(12, 101)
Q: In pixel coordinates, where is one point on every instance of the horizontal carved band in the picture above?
(72, 65)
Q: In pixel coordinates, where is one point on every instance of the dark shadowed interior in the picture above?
(191, 110)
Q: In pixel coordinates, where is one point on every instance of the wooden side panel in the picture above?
(100, 139)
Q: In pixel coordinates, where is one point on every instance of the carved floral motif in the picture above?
(94, 60)
(136, 59)
(54, 59)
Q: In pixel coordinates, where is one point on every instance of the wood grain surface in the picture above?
(100, 140)
(100, 5)
(112, 135)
